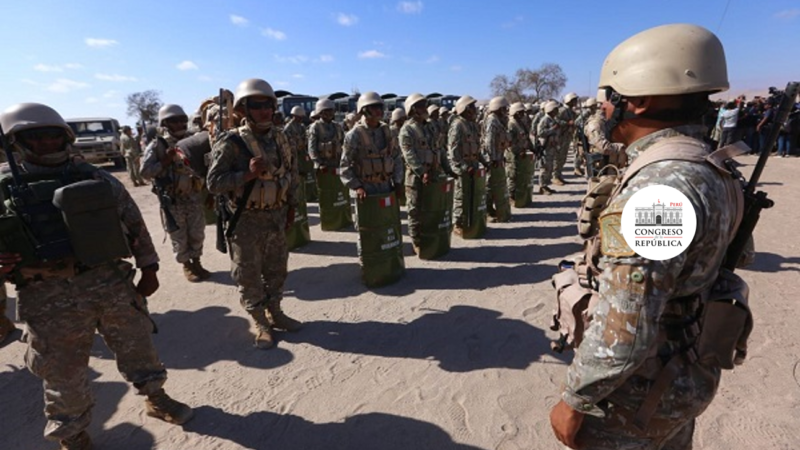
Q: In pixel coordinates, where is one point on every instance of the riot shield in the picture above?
(334, 201)
(436, 218)
(380, 243)
(299, 234)
(498, 191)
(524, 172)
(306, 169)
(474, 204)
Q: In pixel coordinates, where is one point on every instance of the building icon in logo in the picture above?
(659, 214)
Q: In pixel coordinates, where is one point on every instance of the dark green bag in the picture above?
(523, 179)
(334, 202)
(436, 218)
(475, 204)
(380, 243)
(498, 188)
(299, 234)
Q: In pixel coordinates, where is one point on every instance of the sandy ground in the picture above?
(454, 356)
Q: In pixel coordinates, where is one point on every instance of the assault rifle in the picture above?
(223, 213)
(754, 201)
(165, 201)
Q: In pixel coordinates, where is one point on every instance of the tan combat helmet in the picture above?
(412, 100)
(368, 99)
(463, 103)
(443, 111)
(550, 106)
(667, 60)
(169, 110)
(323, 105)
(591, 101)
(516, 107)
(298, 111)
(433, 109)
(25, 116)
(498, 103)
(250, 88)
(398, 114)
(570, 97)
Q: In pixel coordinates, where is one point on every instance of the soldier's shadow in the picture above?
(568, 217)
(771, 262)
(531, 231)
(462, 339)
(24, 422)
(197, 339)
(522, 254)
(265, 429)
(329, 248)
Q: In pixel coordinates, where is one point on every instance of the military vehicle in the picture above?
(345, 103)
(448, 101)
(97, 139)
(287, 101)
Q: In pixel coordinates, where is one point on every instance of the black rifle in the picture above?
(165, 201)
(754, 201)
(223, 214)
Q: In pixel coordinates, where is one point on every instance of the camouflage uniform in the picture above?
(323, 134)
(421, 157)
(258, 250)
(565, 136)
(463, 153)
(519, 144)
(131, 152)
(357, 151)
(596, 132)
(62, 313)
(185, 188)
(548, 135)
(297, 135)
(495, 143)
(633, 333)
(580, 127)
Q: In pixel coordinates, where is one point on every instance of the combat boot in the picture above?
(163, 407)
(544, 190)
(80, 441)
(280, 320)
(6, 327)
(190, 272)
(199, 269)
(558, 182)
(263, 330)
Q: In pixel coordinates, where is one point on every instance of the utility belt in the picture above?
(62, 269)
(267, 194)
(330, 150)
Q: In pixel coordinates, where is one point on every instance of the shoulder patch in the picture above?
(612, 243)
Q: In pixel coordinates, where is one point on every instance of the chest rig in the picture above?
(271, 187)
(470, 140)
(421, 143)
(180, 179)
(375, 164)
(330, 138)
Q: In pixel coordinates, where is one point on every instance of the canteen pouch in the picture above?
(95, 230)
(727, 323)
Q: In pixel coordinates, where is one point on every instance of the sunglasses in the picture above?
(177, 120)
(266, 104)
(39, 134)
(376, 106)
(613, 96)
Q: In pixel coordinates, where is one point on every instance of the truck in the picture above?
(97, 139)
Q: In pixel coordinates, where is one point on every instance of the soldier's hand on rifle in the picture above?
(148, 283)
(361, 194)
(257, 167)
(169, 156)
(8, 261)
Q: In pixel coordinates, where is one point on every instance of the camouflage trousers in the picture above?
(413, 200)
(62, 316)
(580, 157)
(561, 156)
(259, 257)
(187, 241)
(497, 199)
(546, 166)
(132, 163)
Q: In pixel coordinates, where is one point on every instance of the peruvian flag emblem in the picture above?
(447, 187)
(481, 172)
(385, 202)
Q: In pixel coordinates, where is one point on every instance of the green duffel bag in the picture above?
(436, 218)
(475, 204)
(380, 243)
(299, 234)
(334, 201)
(523, 179)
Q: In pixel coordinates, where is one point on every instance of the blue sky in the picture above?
(83, 57)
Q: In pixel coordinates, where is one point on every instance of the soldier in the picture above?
(372, 166)
(435, 125)
(131, 152)
(566, 131)
(297, 135)
(463, 156)
(601, 150)
(325, 141)
(398, 119)
(495, 143)
(424, 167)
(82, 288)
(179, 189)
(519, 158)
(255, 167)
(299, 233)
(548, 140)
(635, 381)
(444, 123)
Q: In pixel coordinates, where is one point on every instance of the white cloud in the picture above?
(298, 75)
(455, 68)
(296, 59)
(788, 14)
(110, 94)
(73, 66)
(347, 20)
(274, 34)
(187, 65)
(114, 77)
(91, 100)
(204, 78)
(410, 7)
(29, 81)
(239, 21)
(46, 68)
(66, 85)
(326, 58)
(371, 54)
(100, 43)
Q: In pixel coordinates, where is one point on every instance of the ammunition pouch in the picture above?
(594, 202)
(328, 150)
(575, 301)
(727, 323)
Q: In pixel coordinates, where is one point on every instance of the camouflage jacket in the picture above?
(547, 131)
(325, 142)
(495, 139)
(129, 146)
(596, 132)
(136, 232)
(622, 343)
(183, 182)
(297, 135)
(519, 138)
(416, 143)
(370, 160)
(463, 145)
(564, 116)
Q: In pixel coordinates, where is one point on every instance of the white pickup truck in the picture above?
(97, 139)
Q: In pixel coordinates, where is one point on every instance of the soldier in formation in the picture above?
(463, 155)
(325, 140)
(547, 135)
(179, 189)
(519, 158)
(644, 371)
(565, 118)
(256, 169)
(495, 143)
(602, 151)
(85, 287)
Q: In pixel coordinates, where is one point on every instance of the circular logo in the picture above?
(658, 222)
